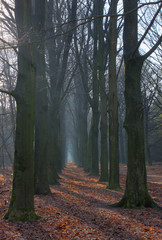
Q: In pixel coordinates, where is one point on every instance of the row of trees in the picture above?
(69, 82)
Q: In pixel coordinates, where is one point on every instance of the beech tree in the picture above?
(113, 100)
(50, 57)
(95, 100)
(82, 44)
(41, 122)
(8, 72)
(57, 54)
(136, 193)
(22, 200)
(80, 111)
(103, 97)
(91, 66)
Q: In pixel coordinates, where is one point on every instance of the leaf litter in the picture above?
(80, 208)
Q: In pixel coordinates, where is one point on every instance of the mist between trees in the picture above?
(80, 81)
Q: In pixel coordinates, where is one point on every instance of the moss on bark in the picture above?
(113, 102)
(22, 199)
(136, 193)
(137, 201)
(14, 214)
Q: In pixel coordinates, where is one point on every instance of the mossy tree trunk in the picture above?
(22, 200)
(113, 102)
(103, 98)
(41, 123)
(136, 193)
(95, 102)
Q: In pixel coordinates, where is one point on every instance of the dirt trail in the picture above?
(80, 208)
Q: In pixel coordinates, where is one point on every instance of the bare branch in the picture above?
(152, 49)
(11, 93)
(87, 20)
(144, 35)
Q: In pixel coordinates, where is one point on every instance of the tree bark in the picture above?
(113, 102)
(95, 104)
(95, 121)
(53, 147)
(103, 99)
(22, 200)
(88, 162)
(136, 193)
(41, 185)
(81, 109)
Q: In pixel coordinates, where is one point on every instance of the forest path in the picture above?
(80, 208)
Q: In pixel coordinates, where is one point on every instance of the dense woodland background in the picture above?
(80, 81)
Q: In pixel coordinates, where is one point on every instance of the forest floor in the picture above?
(80, 208)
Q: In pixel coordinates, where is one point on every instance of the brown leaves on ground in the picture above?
(80, 208)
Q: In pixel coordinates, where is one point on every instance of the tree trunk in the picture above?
(113, 103)
(22, 200)
(136, 193)
(53, 145)
(41, 123)
(81, 109)
(88, 162)
(58, 60)
(103, 99)
(54, 98)
(104, 143)
(122, 153)
(95, 110)
(84, 134)
(95, 121)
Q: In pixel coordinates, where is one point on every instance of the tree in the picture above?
(103, 97)
(58, 53)
(41, 122)
(22, 200)
(113, 101)
(95, 100)
(150, 91)
(82, 43)
(8, 72)
(81, 110)
(136, 193)
(154, 127)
